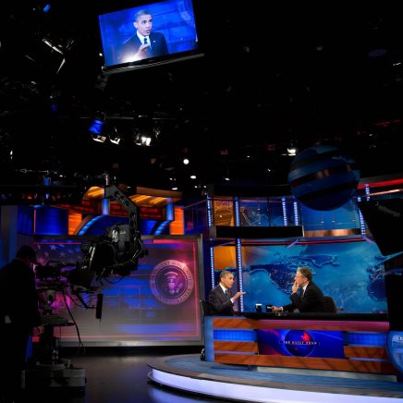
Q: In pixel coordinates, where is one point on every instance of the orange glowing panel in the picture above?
(94, 192)
(224, 257)
(223, 211)
(177, 227)
(74, 221)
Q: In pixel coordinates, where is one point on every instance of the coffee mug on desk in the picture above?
(258, 307)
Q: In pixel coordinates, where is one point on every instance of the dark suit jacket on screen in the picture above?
(219, 303)
(131, 46)
(312, 301)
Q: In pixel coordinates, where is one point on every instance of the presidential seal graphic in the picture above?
(171, 282)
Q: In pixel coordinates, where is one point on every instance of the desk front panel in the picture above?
(357, 346)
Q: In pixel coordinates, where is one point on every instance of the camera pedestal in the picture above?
(50, 373)
(59, 376)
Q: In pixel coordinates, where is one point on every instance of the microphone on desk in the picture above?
(258, 307)
(267, 308)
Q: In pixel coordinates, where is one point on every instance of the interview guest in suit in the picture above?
(306, 296)
(220, 300)
(144, 43)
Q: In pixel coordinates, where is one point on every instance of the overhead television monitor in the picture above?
(149, 33)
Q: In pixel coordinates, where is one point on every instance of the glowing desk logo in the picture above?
(299, 343)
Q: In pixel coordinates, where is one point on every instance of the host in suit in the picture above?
(220, 300)
(306, 296)
(144, 43)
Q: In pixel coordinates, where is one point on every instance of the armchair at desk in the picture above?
(205, 307)
(329, 304)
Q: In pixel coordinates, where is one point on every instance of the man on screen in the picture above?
(144, 43)
(306, 296)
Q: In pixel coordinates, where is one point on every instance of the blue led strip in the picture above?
(234, 335)
(362, 221)
(296, 214)
(239, 266)
(238, 251)
(209, 212)
(236, 212)
(211, 249)
(284, 207)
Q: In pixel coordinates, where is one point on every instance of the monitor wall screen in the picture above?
(167, 27)
(352, 273)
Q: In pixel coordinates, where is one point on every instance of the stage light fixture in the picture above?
(46, 8)
(97, 125)
(142, 140)
(114, 137)
(99, 138)
(96, 129)
(291, 151)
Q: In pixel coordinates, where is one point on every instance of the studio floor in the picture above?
(119, 376)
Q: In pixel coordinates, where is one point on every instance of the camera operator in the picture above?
(19, 315)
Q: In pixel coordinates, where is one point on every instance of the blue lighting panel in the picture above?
(366, 339)
(235, 335)
(25, 222)
(50, 221)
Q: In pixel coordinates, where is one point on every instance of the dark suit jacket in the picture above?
(312, 301)
(219, 303)
(131, 46)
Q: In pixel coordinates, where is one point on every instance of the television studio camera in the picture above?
(115, 253)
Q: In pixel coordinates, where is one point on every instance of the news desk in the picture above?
(335, 342)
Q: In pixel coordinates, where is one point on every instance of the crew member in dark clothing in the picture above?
(19, 315)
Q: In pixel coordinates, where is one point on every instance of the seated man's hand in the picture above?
(142, 51)
(238, 294)
(294, 288)
(277, 308)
